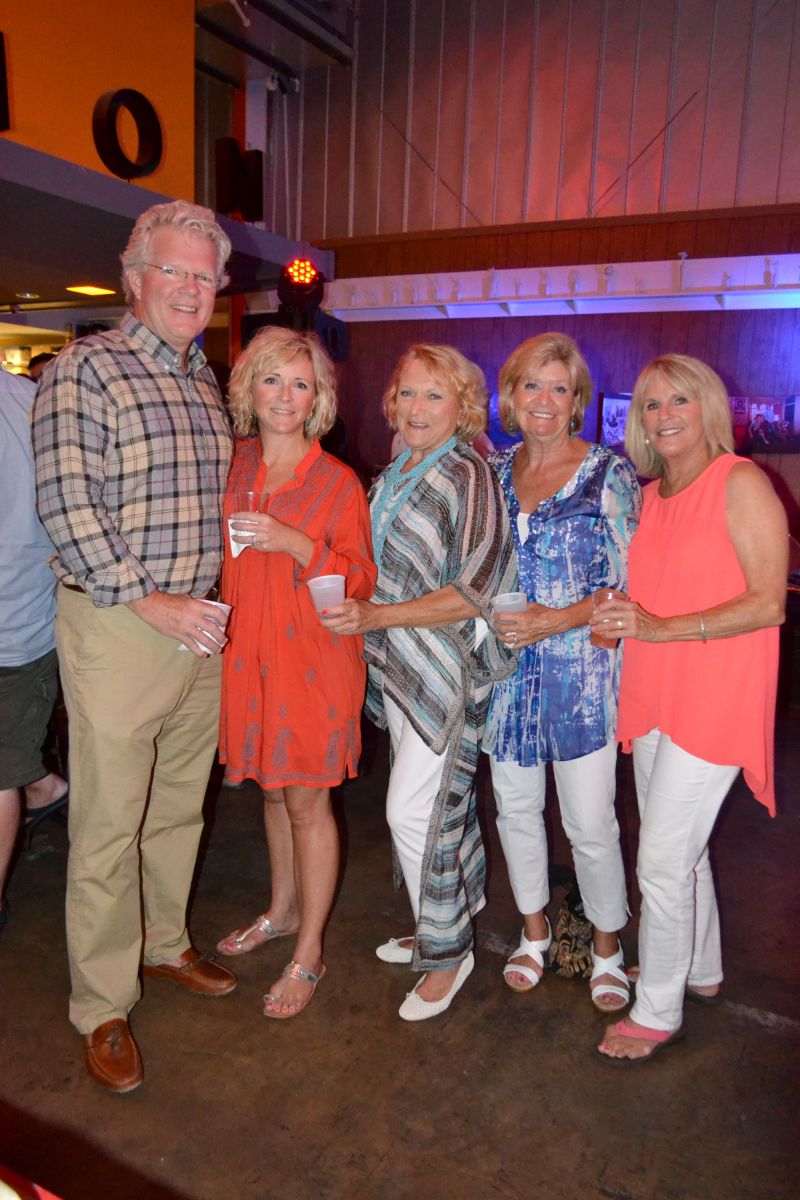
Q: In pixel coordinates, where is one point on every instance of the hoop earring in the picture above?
(573, 425)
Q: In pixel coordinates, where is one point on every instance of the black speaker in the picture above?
(239, 179)
(330, 330)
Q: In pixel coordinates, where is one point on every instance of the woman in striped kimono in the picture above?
(444, 548)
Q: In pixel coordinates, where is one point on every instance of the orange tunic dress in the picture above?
(716, 699)
(292, 691)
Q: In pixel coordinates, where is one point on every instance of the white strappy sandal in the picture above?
(612, 966)
(534, 950)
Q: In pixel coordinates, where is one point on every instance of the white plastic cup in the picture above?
(326, 591)
(246, 502)
(225, 609)
(510, 602)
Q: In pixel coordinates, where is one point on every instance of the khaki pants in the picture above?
(143, 727)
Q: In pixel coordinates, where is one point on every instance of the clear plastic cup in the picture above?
(251, 501)
(510, 602)
(602, 640)
(326, 591)
(246, 502)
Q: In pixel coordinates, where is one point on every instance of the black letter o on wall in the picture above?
(104, 131)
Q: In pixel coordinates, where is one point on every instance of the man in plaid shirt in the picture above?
(132, 450)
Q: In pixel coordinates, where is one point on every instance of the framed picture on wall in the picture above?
(766, 424)
(612, 410)
(761, 424)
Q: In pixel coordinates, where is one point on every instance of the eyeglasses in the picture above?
(178, 274)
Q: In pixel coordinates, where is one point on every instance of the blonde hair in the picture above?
(185, 218)
(538, 352)
(273, 347)
(453, 371)
(686, 376)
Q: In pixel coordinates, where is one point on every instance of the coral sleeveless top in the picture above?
(715, 699)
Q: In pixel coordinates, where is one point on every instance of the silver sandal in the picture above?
(294, 970)
(234, 943)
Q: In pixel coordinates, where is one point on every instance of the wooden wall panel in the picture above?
(709, 235)
(549, 93)
(762, 138)
(754, 352)
(337, 175)
(789, 171)
(419, 198)
(396, 126)
(369, 129)
(312, 198)
(474, 112)
(483, 109)
(580, 108)
(509, 173)
(449, 82)
(642, 190)
(728, 85)
(615, 96)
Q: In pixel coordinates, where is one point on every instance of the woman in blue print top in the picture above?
(574, 508)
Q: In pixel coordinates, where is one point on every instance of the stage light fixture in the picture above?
(301, 286)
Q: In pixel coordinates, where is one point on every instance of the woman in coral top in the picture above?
(292, 690)
(707, 580)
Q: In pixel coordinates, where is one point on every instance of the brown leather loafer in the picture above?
(196, 973)
(112, 1056)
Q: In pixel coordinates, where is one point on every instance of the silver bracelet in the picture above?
(703, 634)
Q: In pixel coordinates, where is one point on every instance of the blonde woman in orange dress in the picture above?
(292, 690)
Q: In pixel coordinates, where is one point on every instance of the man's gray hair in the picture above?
(179, 215)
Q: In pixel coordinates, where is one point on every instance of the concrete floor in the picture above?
(503, 1096)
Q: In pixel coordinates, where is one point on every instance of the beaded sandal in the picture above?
(234, 943)
(293, 970)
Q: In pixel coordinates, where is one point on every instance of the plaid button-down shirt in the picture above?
(132, 455)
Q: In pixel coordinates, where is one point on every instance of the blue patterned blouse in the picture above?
(562, 701)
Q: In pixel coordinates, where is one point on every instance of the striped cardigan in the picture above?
(452, 529)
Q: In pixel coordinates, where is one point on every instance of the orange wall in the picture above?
(61, 55)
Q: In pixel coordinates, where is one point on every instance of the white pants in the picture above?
(413, 788)
(679, 799)
(586, 788)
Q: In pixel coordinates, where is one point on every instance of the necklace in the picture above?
(397, 486)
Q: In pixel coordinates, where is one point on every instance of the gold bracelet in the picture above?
(703, 634)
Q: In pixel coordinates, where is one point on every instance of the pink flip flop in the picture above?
(662, 1038)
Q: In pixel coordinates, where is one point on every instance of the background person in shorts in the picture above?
(28, 662)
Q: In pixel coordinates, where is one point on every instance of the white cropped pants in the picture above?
(413, 787)
(586, 789)
(679, 800)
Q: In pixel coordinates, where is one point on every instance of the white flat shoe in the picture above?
(393, 952)
(414, 1008)
(534, 950)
